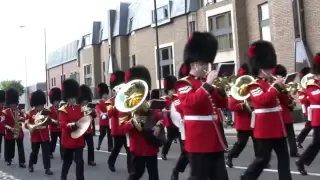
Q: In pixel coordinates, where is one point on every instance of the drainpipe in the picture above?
(187, 16)
(302, 28)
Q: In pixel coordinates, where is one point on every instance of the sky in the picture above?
(63, 21)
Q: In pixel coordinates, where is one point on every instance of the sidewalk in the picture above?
(297, 128)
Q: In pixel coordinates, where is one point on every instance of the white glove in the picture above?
(71, 124)
(104, 116)
(3, 118)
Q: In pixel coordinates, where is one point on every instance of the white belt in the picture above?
(201, 118)
(310, 110)
(303, 108)
(261, 111)
(182, 130)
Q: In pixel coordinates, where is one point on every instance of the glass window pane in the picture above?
(265, 31)
(165, 70)
(231, 40)
(220, 22)
(264, 8)
(223, 42)
(165, 54)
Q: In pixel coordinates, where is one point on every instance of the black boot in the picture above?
(48, 172)
(164, 157)
(30, 168)
(295, 154)
(112, 168)
(22, 165)
(175, 175)
(299, 145)
(301, 169)
(99, 146)
(51, 156)
(92, 163)
(9, 163)
(229, 162)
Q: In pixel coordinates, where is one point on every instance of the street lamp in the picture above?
(26, 74)
(157, 41)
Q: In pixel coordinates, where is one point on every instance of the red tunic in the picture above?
(37, 135)
(70, 114)
(304, 100)
(2, 128)
(10, 122)
(102, 112)
(200, 111)
(242, 118)
(285, 101)
(313, 92)
(137, 142)
(93, 116)
(117, 119)
(268, 122)
(167, 120)
(54, 115)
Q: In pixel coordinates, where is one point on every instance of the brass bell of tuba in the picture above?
(305, 79)
(239, 90)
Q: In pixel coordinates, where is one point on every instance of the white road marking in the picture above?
(4, 175)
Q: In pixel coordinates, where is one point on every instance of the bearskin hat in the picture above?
(201, 46)
(168, 83)
(84, 94)
(37, 98)
(69, 89)
(279, 70)
(304, 71)
(2, 96)
(55, 95)
(102, 89)
(155, 94)
(183, 71)
(244, 69)
(262, 56)
(12, 96)
(316, 64)
(116, 79)
(139, 72)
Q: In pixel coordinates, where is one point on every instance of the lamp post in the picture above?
(26, 74)
(157, 42)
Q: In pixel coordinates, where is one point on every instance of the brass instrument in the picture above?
(239, 90)
(117, 88)
(290, 87)
(42, 118)
(305, 79)
(224, 83)
(18, 120)
(84, 123)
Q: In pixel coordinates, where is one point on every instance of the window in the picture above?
(53, 81)
(63, 77)
(130, 24)
(192, 27)
(87, 39)
(221, 26)
(88, 75)
(213, 1)
(101, 34)
(162, 14)
(264, 22)
(166, 62)
(200, 3)
(133, 60)
(104, 71)
(75, 76)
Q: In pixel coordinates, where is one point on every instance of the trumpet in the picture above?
(290, 87)
(225, 83)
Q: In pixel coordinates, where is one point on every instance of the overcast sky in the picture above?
(63, 20)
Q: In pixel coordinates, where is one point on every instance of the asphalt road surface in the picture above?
(102, 172)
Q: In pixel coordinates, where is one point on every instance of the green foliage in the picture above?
(17, 85)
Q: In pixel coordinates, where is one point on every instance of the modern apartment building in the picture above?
(127, 36)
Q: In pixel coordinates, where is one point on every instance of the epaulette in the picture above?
(123, 119)
(109, 107)
(63, 109)
(163, 97)
(4, 111)
(109, 101)
(184, 79)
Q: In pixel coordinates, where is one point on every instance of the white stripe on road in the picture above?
(4, 175)
(235, 136)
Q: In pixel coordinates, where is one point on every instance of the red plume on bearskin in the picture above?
(37, 98)
(316, 64)
(55, 95)
(117, 78)
(244, 69)
(184, 70)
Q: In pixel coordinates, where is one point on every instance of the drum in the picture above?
(175, 115)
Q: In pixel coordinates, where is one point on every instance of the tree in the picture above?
(17, 85)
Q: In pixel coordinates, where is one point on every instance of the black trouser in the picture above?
(304, 132)
(265, 147)
(243, 137)
(313, 149)
(223, 135)
(172, 133)
(119, 141)
(93, 127)
(291, 139)
(45, 147)
(139, 164)
(54, 138)
(70, 155)
(183, 160)
(208, 166)
(89, 142)
(9, 150)
(105, 130)
(1, 136)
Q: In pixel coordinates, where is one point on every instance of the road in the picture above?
(101, 171)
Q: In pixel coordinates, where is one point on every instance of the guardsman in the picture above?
(116, 81)
(242, 119)
(2, 129)
(69, 115)
(172, 130)
(287, 104)
(55, 129)
(144, 154)
(101, 109)
(183, 160)
(12, 120)
(267, 121)
(84, 98)
(313, 92)
(304, 100)
(199, 103)
(39, 135)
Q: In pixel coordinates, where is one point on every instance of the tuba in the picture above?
(239, 90)
(305, 79)
(42, 118)
(132, 97)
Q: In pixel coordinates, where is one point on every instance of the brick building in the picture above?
(127, 36)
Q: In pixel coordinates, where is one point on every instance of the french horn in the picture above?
(42, 118)
(239, 90)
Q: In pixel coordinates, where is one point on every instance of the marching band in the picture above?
(261, 99)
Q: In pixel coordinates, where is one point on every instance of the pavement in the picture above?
(102, 172)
